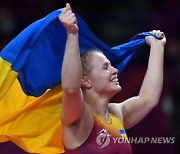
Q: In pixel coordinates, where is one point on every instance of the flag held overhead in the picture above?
(35, 58)
(36, 54)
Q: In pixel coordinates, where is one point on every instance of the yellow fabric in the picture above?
(7, 76)
(31, 123)
(115, 124)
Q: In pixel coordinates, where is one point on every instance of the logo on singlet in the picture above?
(103, 138)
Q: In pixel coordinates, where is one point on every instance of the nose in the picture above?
(114, 70)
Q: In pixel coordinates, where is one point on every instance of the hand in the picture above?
(68, 19)
(150, 40)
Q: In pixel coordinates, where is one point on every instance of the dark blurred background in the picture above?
(115, 22)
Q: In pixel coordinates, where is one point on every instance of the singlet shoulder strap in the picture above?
(115, 123)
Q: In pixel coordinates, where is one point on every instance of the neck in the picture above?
(98, 104)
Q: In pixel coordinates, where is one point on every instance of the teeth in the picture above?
(114, 80)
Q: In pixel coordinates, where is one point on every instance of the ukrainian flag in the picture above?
(30, 81)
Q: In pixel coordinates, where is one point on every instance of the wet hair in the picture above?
(85, 59)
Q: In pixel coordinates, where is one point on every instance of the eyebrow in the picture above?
(106, 63)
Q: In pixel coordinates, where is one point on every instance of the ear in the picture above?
(86, 83)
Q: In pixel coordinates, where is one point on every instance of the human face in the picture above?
(103, 76)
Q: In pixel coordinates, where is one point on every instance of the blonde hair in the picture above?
(85, 59)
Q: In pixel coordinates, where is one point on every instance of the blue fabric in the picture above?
(37, 52)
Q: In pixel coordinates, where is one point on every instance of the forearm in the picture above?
(71, 68)
(136, 108)
(153, 81)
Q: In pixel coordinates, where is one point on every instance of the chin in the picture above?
(117, 89)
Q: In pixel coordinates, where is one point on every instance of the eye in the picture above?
(106, 66)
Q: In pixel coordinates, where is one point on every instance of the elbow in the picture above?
(70, 90)
(71, 87)
(153, 102)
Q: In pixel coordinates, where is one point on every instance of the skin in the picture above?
(83, 95)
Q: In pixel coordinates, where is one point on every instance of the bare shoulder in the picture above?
(75, 134)
(116, 109)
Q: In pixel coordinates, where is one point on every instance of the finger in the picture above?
(163, 35)
(71, 15)
(65, 10)
(155, 32)
(68, 7)
(159, 33)
(74, 20)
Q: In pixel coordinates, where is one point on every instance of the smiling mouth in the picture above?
(115, 80)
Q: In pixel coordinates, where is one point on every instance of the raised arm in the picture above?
(72, 102)
(136, 108)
